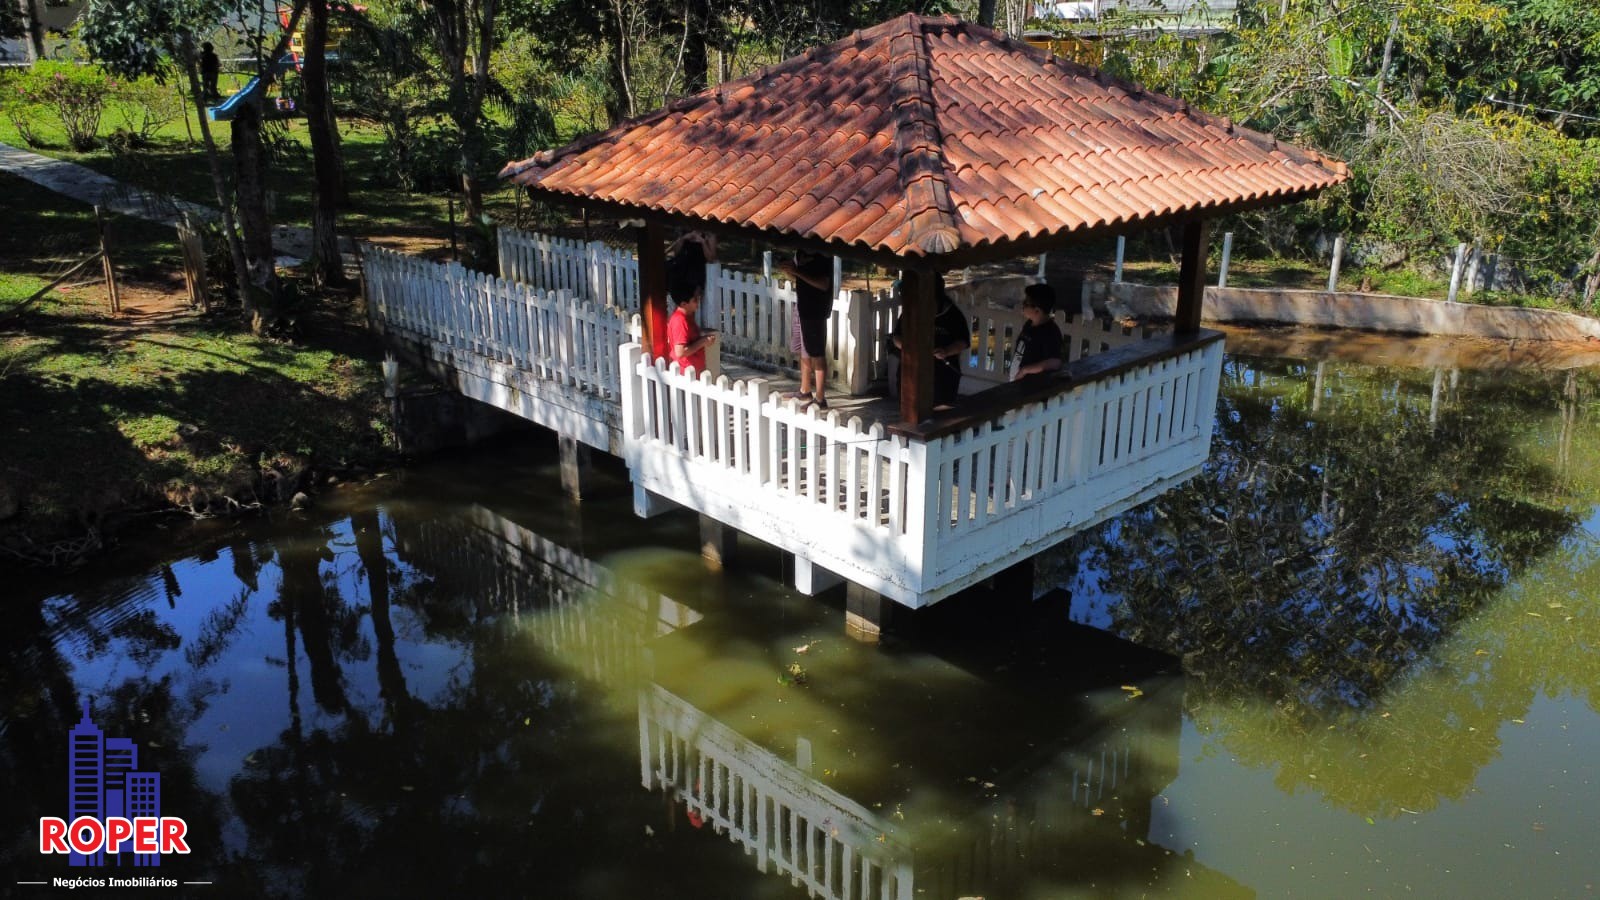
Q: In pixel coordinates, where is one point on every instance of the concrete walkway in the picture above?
(86, 185)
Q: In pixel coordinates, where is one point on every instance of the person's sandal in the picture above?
(822, 404)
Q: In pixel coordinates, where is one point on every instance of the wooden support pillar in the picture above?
(866, 613)
(107, 267)
(917, 308)
(574, 466)
(653, 288)
(717, 542)
(1191, 277)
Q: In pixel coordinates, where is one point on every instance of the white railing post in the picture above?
(1122, 249)
(1227, 255)
(862, 341)
(923, 510)
(628, 357)
(712, 304)
(1338, 260)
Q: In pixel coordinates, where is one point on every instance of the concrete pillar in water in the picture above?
(574, 466)
(717, 542)
(866, 613)
(811, 579)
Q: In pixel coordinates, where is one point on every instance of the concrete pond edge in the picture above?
(1364, 312)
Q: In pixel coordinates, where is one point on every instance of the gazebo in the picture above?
(927, 144)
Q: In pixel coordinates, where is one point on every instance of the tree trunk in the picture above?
(327, 267)
(696, 68)
(30, 15)
(250, 163)
(218, 181)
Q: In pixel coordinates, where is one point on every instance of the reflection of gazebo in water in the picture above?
(927, 144)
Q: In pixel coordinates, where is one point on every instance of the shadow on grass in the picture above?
(45, 232)
(162, 420)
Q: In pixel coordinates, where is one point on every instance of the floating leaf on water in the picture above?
(407, 787)
(1098, 811)
(1519, 721)
(528, 720)
(1370, 822)
(1132, 691)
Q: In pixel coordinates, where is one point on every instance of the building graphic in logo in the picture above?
(114, 809)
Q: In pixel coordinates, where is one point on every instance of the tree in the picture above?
(326, 264)
(155, 37)
(464, 33)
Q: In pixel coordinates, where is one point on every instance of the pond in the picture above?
(1356, 654)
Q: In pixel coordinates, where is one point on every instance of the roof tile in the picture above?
(925, 135)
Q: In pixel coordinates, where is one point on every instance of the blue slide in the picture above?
(225, 110)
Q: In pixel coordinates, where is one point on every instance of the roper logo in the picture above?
(114, 810)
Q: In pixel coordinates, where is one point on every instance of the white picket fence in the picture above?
(592, 270)
(995, 330)
(754, 313)
(551, 334)
(916, 520)
(791, 823)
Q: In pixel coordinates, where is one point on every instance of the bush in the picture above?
(76, 94)
(20, 109)
(423, 160)
(145, 106)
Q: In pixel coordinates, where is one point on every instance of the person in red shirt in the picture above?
(685, 341)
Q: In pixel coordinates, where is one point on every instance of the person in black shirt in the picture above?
(1038, 349)
(813, 278)
(210, 69)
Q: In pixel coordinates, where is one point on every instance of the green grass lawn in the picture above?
(106, 416)
(174, 165)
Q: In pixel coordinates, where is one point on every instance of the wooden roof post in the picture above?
(1191, 277)
(918, 305)
(653, 288)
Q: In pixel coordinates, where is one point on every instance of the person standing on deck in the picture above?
(686, 342)
(813, 280)
(210, 71)
(1038, 350)
(686, 262)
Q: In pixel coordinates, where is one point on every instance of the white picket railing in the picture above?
(753, 313)
(592, 270)
(1097, 445)
(791, 823)
(910, 518)
(551, 335)
(995, 329)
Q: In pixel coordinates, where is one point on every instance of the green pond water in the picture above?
(1358, 655)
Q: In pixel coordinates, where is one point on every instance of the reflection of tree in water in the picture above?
(487, 787)
(1343, 561)
(1319, 555)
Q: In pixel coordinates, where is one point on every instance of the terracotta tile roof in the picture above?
(922, 136)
